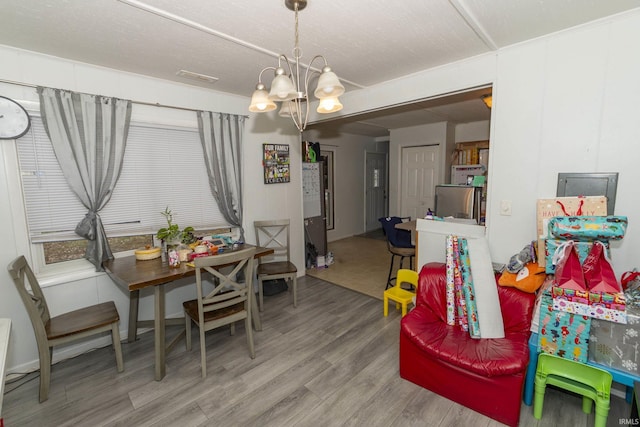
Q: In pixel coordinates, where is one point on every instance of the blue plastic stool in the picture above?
(621, 377)
(530, 376)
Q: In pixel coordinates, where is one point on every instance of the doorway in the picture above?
(419, 174)
(376, 189)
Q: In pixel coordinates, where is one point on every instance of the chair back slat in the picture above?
(30, 292)
(222, 303)
(274, 234)
(227, 290)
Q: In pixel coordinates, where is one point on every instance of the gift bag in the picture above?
(598, 273)
(552, 246)
(564, 206)
(569, 274)
(631, 280)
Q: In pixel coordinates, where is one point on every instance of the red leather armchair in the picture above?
(486, 375)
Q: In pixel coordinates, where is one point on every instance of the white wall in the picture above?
(567, 103)
(349, 190)
(562, 103)
(260, 201)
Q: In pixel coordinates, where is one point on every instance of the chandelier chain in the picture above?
(296, 47)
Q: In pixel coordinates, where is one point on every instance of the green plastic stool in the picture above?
(593, 384)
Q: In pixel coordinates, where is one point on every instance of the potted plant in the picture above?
(172, 234)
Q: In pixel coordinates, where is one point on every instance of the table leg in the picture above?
(159, 332)
(134, 299)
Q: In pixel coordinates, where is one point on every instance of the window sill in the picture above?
(67, 272)
(71, 271)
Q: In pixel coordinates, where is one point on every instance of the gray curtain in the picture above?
(89, 136)
(221, 136)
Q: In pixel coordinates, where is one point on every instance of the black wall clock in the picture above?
(14, 119)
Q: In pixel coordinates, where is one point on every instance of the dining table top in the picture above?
(133, 274)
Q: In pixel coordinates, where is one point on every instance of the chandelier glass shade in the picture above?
(289, 88)
(260, 101)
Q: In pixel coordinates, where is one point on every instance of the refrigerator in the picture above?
(459, 201)
(315, 224)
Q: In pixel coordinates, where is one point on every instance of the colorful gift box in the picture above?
(564, 206)
(605, 306)
(617, 345)
(583, 248)
(588, 228)
(562, 334)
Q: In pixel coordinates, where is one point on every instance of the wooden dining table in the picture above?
(133, 275)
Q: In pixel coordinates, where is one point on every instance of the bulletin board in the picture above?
(276, 163)
(312, 193)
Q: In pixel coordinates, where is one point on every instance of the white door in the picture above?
(375, 189)
(420, 171)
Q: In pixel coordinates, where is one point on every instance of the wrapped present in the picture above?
(562, 334)
(582, 248)
(588, 228)
(611, 307)
(564, 206)
(617, 345)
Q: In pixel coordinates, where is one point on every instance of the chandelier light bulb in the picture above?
(329, 105)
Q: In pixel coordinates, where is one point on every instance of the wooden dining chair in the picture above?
(62, 329)
(275, 234)
(229, 300)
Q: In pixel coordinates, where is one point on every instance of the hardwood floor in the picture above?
(332, 361)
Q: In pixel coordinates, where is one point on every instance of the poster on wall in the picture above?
(276, 163)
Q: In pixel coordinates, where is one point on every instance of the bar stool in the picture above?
(593, 384)
(398, 243)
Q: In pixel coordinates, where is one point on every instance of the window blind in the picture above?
(163, 167)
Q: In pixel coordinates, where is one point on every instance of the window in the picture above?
(163, 167)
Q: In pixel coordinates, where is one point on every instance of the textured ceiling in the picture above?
(365, 41)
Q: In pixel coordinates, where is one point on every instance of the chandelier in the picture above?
(291, 90)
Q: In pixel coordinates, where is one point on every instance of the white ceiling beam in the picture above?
(473, 23)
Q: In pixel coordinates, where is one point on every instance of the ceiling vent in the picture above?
(197, 76)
